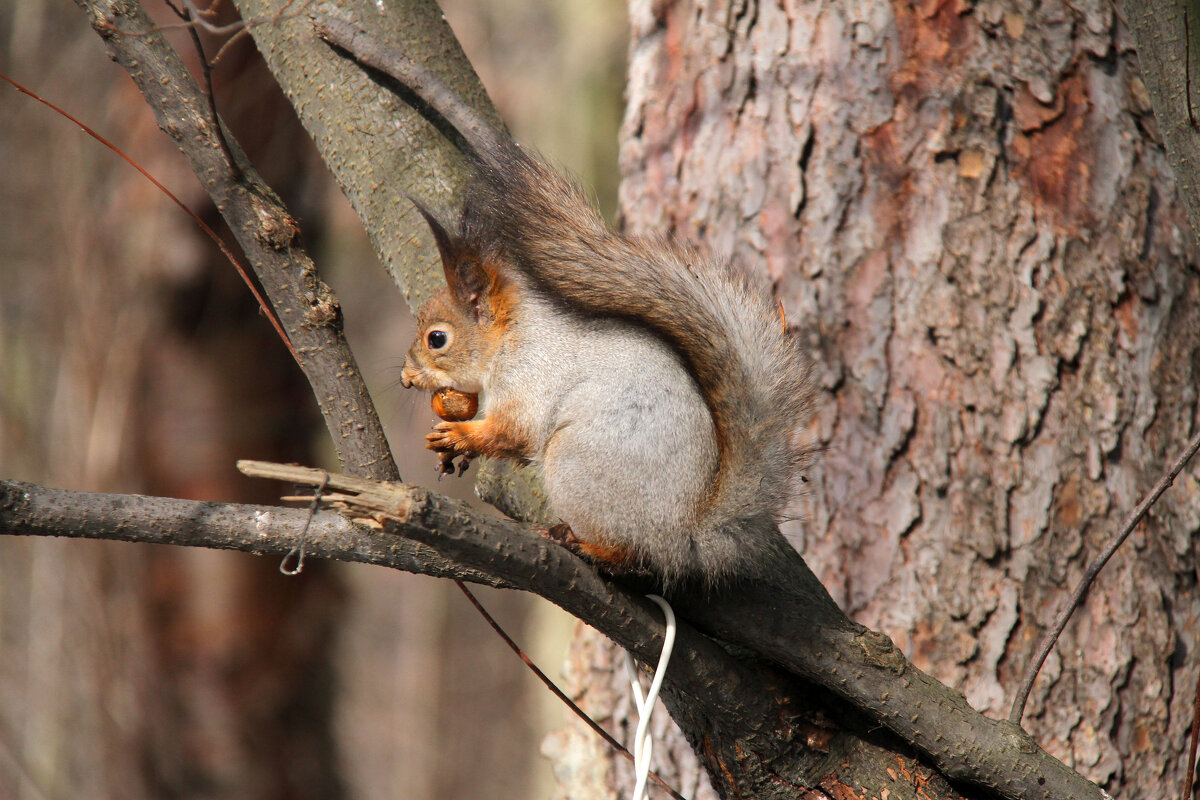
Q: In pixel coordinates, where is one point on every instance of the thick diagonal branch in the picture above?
(265, 231)
(794, 624)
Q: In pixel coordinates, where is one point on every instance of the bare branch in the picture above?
(475, 130)
(744, 722)
(757, 708)
(1085, 583)
(30, 510)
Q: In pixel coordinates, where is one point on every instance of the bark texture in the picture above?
(965, 209)
(360, 122)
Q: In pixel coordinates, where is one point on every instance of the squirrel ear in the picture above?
(464, 274)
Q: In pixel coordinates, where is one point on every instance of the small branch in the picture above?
(479, 135)
(210, 93)
(753, 698)
(30, 510)
(559, 693)
(1060, 622)
(744, 721)
(1190, 777)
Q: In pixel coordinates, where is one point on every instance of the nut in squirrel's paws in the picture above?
(453, 405)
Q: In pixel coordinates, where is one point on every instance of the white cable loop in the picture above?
(643, 743)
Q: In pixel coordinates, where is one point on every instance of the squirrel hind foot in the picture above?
(612, 560)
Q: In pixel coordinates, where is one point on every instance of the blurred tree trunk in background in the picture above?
(134, 360)
(965, 208)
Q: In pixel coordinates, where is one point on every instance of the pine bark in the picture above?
(966, 211)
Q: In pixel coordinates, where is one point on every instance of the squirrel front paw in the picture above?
(488, 436)
(449, 437)
(450, 441)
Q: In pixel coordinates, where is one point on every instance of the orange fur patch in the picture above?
(605, 554)
(493, 436)
(503, 296)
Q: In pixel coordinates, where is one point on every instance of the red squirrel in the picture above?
(659, 397)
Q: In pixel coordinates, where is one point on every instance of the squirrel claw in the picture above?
(562, 534)
(446, 438)
(446, 465)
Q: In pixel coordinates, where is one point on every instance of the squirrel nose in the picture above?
(407, 375)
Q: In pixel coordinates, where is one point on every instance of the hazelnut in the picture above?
(454, 406)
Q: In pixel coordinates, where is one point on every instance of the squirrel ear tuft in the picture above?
(447, 246)
(465, 276)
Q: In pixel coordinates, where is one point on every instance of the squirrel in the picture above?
(658, 395)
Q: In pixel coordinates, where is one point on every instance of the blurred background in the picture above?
(133, 360)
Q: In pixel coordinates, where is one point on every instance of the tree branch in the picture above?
(795, 624)
(739, 712)
(30, 510)
(762, 733)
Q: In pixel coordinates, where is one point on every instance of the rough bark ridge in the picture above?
(965, 209)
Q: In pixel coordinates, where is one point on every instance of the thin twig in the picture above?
(190, 13)
(1048, 642)
(480, 135)
(298, 550)
(199, 18)
(1187, 67)
(268, 312)
(238, 28)
(1191, 763)
(544, 678)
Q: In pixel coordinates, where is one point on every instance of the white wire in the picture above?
(643, 743)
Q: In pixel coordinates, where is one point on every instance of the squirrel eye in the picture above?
(437, 339)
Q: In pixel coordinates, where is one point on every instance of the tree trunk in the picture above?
(966, 211)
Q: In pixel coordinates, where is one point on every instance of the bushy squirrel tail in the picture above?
(754, 377)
